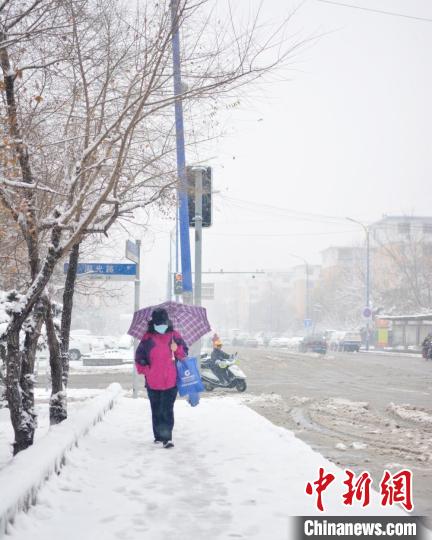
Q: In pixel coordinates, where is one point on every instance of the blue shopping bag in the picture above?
(193, 399)
(188, 377)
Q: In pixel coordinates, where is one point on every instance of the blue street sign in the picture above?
(105, 269)
(367, 313)
(307, 323)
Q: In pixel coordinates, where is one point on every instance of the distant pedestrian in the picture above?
(155, 358)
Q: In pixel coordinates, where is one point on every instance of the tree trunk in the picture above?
(28, 362)
(57, 407)
(68, 296)
(23, 423)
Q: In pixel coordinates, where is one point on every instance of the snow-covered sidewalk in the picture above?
(232, 474)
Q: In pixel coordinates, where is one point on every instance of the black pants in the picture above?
(162, 408)
(221, 373)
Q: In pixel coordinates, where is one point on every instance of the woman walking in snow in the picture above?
(155, 358)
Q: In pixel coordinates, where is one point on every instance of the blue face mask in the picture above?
(161, 328)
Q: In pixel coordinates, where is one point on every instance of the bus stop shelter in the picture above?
(408, 331)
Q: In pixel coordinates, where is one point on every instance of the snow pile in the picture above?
(232, 474)
(77, 367)
(23, 477)
(409, 412)
(358, 445)
(265, 399)
(73, 394)
(353, 406)
(391, 352)
(341, 407)
(300, 400)
(341, 446)
(77, 400)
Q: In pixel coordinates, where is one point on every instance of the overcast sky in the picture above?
(348, 135)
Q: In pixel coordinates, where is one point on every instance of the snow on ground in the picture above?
(409, 412)
(392, 352)
(264, 399)
(232, 474)
(22, 478)
(77, 399)
(353, 406)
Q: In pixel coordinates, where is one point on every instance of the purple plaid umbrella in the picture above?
(190, 321)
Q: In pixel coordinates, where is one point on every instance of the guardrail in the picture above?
(21, 480)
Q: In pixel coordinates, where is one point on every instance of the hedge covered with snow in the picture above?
(21, 480)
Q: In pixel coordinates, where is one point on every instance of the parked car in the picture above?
(251, 342)
(266, 340)
(295, 343)
(314, 343)
(274, 342)
(125, 342)
(280, 342)
(345, 341)
(240, 340)
(225, 340)
(351, 342)
(78, 345)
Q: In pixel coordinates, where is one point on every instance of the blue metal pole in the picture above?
(177, 241)
(181, 159)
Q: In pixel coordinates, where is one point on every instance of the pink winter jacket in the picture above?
(154, 359)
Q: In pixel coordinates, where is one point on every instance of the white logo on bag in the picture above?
(187, 373)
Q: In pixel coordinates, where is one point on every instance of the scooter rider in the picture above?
(217, 356)
(427, 346)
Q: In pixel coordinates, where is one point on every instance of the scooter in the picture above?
(235, 376)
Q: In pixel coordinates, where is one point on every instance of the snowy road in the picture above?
(363, 411)
(232, 474)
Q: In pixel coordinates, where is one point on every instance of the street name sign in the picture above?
(122, 272)
(132, 251)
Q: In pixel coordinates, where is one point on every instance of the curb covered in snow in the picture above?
(21, 480)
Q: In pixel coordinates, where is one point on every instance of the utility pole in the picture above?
(198, 175)
(198, 178)
(177, 298)
(170, 287)
(367, 283)
(181, 159)
(366, 230)
(307, 291)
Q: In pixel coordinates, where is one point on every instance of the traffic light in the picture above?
(178, 284)
(206, 197)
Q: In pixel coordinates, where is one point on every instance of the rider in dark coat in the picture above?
(427, 346)
(217, 356)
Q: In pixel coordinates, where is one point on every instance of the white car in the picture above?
(78, 345)
(82, 343)
(285, 342)
(277, 342)
(294, 343)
